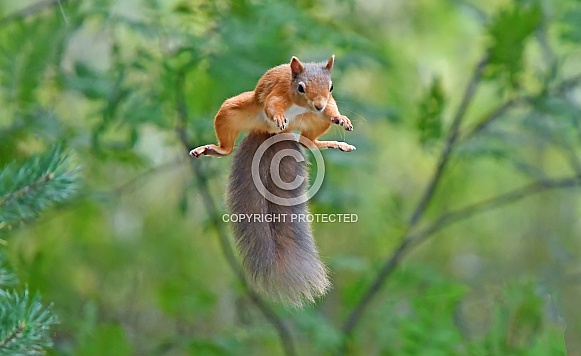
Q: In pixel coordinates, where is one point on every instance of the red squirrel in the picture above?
(280, 257)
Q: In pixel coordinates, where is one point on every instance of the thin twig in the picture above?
(214, 213)
(461, 214)
(448, 147)
(12, 336)
(570, 155)
(390, 264)
(507, 198)
(411, 240)
(542, 37)
(523, 100)
(162, 168)
(495, 114)
(32, 10)
(499, 111)
(567, 84)
(26, 189)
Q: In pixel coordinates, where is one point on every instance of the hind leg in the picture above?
(226, 132)
(228, 123)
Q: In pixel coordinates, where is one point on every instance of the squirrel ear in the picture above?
(296, 66)
(329, 65)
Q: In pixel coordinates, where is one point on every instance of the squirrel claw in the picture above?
(345, 147)
(199, 151)
(280, 121)
(343, 121)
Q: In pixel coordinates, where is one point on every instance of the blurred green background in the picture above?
(134, 265)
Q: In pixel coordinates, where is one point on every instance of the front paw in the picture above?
(281, 121)
(343, 121)
(345, 147)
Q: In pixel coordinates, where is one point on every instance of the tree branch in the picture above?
(496, 114)
(451, 218)
(507, 198)
(410, 240)
(452, 138)
(214, 213)
(15, 334)
(162, 168)
(391, 263)
(499, 111)
(26, 189)
(567, 84)
(30, 10)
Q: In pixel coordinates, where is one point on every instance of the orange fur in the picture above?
(276, 106)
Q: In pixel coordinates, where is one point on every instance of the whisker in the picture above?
(350, 111)
(341, 130)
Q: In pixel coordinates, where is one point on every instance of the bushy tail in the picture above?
(279, 252)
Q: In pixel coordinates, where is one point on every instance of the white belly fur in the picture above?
(290, 113)
(294, 111)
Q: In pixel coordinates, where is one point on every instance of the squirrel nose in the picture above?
(319, 107)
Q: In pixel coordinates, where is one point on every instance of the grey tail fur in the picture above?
(279, 255)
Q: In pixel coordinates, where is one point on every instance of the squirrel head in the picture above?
(312, 84)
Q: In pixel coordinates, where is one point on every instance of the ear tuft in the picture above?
(329, 65)
(296, 66)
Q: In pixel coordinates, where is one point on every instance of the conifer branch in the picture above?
(24, 324)
(28, 188)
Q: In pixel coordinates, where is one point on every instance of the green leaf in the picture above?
(431, 108)
(90, 83)
(509, 31)
(25, 59)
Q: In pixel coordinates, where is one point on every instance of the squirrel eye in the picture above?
(331, 88)
(301, 88)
